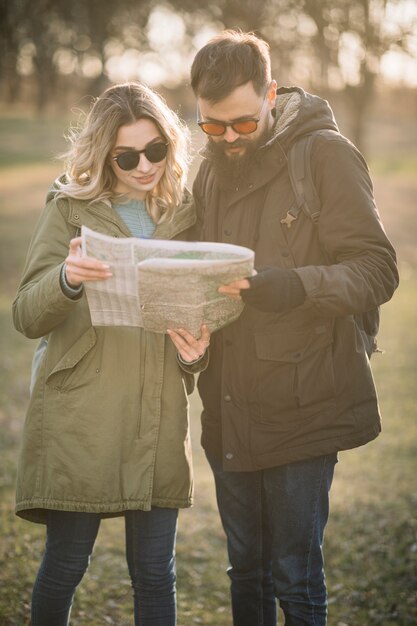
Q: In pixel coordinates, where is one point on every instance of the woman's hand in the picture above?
(189, 348)
(79, 269)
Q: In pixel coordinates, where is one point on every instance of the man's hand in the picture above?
(189, 348)
(233, 289)
(272, 290)
(80, 269)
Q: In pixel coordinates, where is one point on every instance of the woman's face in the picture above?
(136, 137)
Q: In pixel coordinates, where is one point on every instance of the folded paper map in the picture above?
(160, 284)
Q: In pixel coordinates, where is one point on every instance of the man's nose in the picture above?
(230, 135)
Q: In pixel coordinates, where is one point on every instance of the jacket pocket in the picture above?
(295, 369)
(76, 367)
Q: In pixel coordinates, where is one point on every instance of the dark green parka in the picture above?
(107, 424)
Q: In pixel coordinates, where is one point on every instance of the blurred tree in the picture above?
(244, 14)
(42, 21)
(352, 36)
(11, 20)
(50, 38)
(338, 43)
(94, 24)
(323, 44)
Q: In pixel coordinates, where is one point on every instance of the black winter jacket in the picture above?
(282, 387)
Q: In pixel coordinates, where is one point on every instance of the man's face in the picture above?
(242, 104)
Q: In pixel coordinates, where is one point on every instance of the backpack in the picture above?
(307, 200)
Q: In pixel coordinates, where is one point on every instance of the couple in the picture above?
(284, 388)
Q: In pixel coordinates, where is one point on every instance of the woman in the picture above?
(107, 429)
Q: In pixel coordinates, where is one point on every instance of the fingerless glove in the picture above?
(274, 290)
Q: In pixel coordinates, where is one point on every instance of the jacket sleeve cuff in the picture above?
(194, 367)
(71, 292)
(297, 290)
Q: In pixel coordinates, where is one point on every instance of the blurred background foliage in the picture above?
(54, 52)
(361, 55)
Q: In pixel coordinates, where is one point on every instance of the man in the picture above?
(288, 384)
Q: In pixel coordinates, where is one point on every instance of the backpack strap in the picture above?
(308, 201)
(299, 170)
(301, 178)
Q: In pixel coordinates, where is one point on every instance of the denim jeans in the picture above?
(150, 553)
(274, 521)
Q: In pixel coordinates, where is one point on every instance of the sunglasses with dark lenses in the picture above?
(245, 126)
(155, 153)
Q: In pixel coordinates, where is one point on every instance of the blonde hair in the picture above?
(88, 172)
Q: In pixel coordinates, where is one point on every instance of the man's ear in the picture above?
(272, 94)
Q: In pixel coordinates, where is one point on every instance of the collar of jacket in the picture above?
(184, 217)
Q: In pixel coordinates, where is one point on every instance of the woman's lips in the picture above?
(144, 180)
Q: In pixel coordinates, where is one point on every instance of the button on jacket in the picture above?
(285, 387)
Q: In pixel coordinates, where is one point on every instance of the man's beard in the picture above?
(232, 170)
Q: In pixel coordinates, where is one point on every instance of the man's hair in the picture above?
(230, 59)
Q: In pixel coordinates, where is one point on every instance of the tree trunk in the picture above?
(359, 99)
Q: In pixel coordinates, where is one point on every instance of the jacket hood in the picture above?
(56, 187)
(297, 113)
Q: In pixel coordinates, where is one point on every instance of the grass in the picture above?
(371, 540)
(398, 164)
(29, 141)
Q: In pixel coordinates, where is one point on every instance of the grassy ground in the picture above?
(371, 542)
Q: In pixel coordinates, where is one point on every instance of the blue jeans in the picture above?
(274, 521)
(150, 553)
